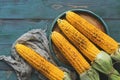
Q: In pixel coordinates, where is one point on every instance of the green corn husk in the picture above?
(103, 63)
(116, 55)
(90, 74)
(67, 76)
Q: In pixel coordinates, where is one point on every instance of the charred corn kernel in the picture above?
(94, 34)
(70, 52)
(42, 65)
(78, 39)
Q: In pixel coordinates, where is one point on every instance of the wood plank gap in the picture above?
(111, 18)
(27, 19)
(48, 19)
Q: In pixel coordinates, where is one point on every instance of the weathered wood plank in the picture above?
(7, 75)
(12, 29)
(46, 9)
(10, 75)
(114, 28)
(4, 66)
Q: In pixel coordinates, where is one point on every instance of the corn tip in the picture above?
(59, 20)
(17, 45)
(53, 33)
(68, 12)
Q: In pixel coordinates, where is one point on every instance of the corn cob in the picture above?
(73, 56)
(78, 39)
(94, 34)
(42, 65)
(100, 60)
(71, 53)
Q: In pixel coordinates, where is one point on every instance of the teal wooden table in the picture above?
(20, 16)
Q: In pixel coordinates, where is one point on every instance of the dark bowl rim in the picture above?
(60, 63)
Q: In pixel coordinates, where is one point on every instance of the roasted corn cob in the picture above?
(42, 65)
(78, 39)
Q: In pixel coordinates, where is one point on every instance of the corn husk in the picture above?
(67, 76)
(90, 74)
(116, 55)
(103, 63)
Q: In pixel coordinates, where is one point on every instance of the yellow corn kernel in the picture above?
(70, 52)
(79, 40)
(94, 34)
(42, 65)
